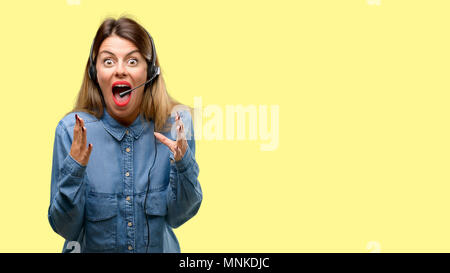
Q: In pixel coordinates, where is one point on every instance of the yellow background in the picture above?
(363, 90)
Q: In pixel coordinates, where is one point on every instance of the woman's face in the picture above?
(120, 66)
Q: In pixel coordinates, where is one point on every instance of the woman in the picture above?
(114, 187)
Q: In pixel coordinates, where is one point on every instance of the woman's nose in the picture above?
(121, 70)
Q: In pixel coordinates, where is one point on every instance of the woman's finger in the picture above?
(89, 150)
(81, 133)
(181, 136)
(177, 122)
(77, 131)
(81, 121)
(83, 137)
(168, 142)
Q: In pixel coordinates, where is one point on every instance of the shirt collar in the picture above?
(117, 130)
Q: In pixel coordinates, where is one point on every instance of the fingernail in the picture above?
(83, 128)
(76, 116)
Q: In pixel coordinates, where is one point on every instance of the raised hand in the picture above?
(79, 151)
(179, 147)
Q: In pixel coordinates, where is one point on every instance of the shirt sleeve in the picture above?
(185, 194)
(66, 210)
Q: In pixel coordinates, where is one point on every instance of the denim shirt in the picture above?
(101, 205)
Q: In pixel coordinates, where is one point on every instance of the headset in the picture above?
(152, 72)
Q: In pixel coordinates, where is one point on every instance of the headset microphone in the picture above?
(121, 94)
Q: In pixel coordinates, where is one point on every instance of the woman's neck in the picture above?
(127, 121)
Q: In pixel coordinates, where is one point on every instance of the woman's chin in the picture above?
(121, 111)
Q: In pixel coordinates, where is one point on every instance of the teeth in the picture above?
(121, 85)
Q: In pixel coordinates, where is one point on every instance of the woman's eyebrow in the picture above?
(109, 52)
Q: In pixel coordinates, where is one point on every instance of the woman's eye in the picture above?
(132, 61)
(108, 62)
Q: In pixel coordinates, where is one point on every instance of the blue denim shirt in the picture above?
(101, 205)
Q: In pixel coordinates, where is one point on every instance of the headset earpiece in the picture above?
(92, 70)
(93, 73)
(152, 70)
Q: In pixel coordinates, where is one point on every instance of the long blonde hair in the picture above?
(90, 98)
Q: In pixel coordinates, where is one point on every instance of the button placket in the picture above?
(129, 189)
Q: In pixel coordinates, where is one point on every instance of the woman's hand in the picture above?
(178, 147)
(79, 151)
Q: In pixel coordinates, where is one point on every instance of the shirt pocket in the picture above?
(101, 222)
(156, 210)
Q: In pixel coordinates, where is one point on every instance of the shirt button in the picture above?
(130, 224)
(127, 149)
(128, 198)
(130, 248)
(127, 174)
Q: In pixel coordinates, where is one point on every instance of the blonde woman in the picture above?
(124, 171)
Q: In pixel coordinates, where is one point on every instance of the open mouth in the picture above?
(119, 87)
